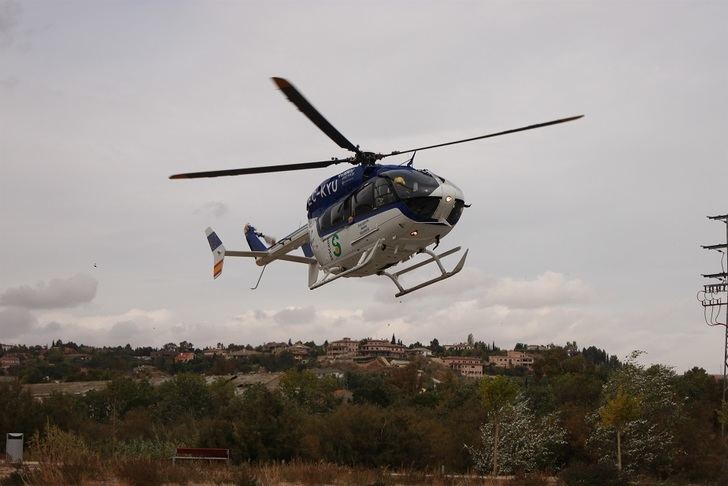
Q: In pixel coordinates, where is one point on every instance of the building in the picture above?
(512, 359)
(539, 347)
(184, 357)
(382, 347)
(9, 360)
(212, 352)
(344, 348)
(245, 353)
(325, 372)
(465, 365)
(274, 348)
(299, 351)
(458, 347)
(242, 382)
(424, 352)
(41, 391)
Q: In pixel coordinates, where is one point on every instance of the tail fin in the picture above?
(218, 252)
(252, 237)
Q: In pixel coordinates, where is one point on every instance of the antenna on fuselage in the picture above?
(412, 160)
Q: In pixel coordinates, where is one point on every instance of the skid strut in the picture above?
(364, 260)
(433, 258)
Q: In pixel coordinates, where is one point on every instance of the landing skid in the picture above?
(433, 258)
(367, 257)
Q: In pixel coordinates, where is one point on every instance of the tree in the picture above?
(370, 388)
(470, 339)
(184, 396)
(496, 395)
(18, 411)
(305, 389)
(723, 414)
(617, 413)
(527, 443)
(394, 341)
(640, 411)
(571, 348)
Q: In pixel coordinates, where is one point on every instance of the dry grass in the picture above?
(143, 472)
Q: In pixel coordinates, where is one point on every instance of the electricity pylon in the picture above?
(714, 298)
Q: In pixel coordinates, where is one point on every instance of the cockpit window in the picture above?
(363, 201)
(383, 192)
(411, 183)
(340, 212)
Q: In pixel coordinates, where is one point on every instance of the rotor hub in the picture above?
(367, 158)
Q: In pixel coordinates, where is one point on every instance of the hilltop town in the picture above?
(72, 368)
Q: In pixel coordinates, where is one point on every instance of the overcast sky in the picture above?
(587, 231)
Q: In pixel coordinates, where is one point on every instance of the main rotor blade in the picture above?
(530, 127)
(295, 97)
(259, 170)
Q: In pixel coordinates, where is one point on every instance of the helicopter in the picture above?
(365, 220)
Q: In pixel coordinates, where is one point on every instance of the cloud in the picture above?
(8, 83)
(547, 290)
(216, 208)
(136, 326)
(58, 293)
(295, 315)
(9, 15)
(15, 321)
(123, 331)
(52, 326)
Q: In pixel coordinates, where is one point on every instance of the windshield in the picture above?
(411, 183)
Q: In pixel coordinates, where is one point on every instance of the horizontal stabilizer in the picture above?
(259, 254)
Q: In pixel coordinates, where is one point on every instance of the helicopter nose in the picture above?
(451, 203)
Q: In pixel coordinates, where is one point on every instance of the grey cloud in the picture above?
(216, 208)
(379, 313)
(546, 290)
(52, 327)
(180, 328)
(260, 315)
(58, 293)
(8, 83)
(123, 330)
(15, 321)
(295, 315)
(9, 15)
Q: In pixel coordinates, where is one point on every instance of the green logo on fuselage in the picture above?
(336, 245)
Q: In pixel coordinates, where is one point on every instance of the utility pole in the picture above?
(714, 298)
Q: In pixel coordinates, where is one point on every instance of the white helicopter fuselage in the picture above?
(397, 236)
